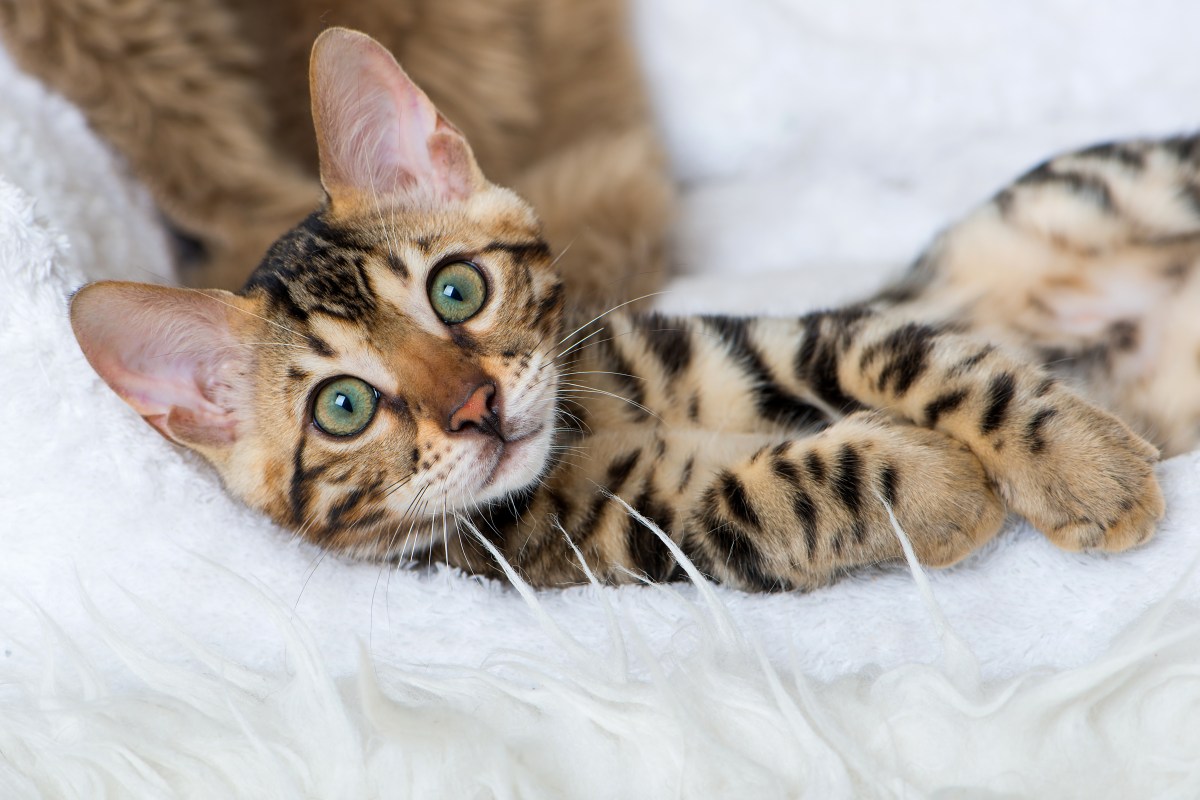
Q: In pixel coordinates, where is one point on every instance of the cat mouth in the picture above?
(510, 457)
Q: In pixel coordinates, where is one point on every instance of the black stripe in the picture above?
(1121, 152)
(335, 283)
(773, 402)
(847, 482)
(336, 236)
(888, 478)
(521, 251)
(367, 520)
(806, 511)
(505, 514)
(785, 470)
(1089, 187)
(685, 476)
(1185, 148)
(463, 339)
(816, 364)
(350, 501)
(1000, 394)
(738, 500)
(909, 347)
(320, 346)
(551, 301)
(816, 466)
(943, 404)
(802, 503)
(647, 552)
(317, 267)
(973, 360)
(614, 481)
(1004, 200)
(396, 265)
(669, 340)
(693, 546)
(629, 383)
(1033, 431)
(299, 491)
(275, 287)
(738, 551)
(619, 470)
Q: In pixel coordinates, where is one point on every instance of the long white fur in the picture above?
(158, 640)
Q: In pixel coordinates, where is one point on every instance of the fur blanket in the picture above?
(159, 640)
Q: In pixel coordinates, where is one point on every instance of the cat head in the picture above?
(392, 358)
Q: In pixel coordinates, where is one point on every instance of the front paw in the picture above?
(1090, 482)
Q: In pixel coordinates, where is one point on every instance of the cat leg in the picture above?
(1079, 474)
(753, 511)
(800, 513)
(167, 85)
(1076, 472)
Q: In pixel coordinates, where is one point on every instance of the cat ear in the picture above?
(170, 353)
(378, 135)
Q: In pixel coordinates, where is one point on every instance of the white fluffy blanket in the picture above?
(158, 640)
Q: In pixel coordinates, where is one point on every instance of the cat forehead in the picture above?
(495, 212)
(329, 264)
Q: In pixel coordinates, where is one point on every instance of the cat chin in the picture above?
(519, 462)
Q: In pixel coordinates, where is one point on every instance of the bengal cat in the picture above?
(404, 375)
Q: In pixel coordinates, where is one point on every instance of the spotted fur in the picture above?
(773, 452)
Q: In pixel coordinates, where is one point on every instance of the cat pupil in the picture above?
(452, 292)
(344, 403)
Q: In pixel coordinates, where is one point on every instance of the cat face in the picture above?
(390, 363)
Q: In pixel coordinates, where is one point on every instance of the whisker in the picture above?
(562, 253)
(577, 387)
(316, 565)
(598, 341)
(605, 314)
(574, 346)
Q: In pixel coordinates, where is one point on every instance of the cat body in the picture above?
(407, 376)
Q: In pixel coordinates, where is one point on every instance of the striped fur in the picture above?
(770, 450)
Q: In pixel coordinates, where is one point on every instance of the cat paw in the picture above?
(1092, 484)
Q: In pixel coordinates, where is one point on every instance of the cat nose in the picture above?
(477, 410)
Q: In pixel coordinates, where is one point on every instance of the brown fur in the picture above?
(208, 102)
(772, 452)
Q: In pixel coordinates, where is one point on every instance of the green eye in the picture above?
(345, 406)
(457, 292)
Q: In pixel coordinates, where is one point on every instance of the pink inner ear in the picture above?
(377, 132)
(169, 353)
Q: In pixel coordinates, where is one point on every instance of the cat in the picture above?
(208, 103)
(405, 376)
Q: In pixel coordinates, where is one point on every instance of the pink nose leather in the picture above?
(476, 410)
